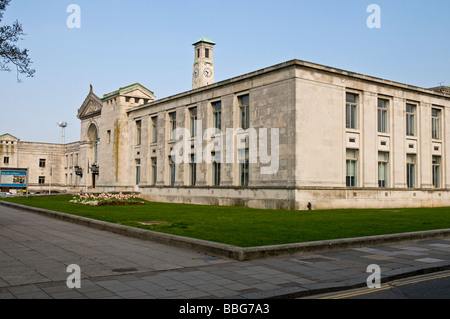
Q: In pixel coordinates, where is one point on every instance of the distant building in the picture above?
(312, 136)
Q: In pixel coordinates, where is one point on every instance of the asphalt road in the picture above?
(431, 286)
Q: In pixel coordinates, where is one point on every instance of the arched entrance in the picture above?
(94, 140)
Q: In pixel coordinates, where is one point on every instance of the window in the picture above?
(138, 171)
(352, 168)
(41, 180)
(154, 171)
(216, 168)
(171, 171)
(436, 171)
(243, 167)
(383, 115)
(192, 171)
(217, 115)
(411, 171)
(42, 162)
(411, 119)
(351, 111)
(383, 169)
(206, 53)
(193, 117)
(5, 160)
(198, 53)
(154, 129)
(108, 136)
(436, 123)
(173, 121)
(244, 102)
(138, 132)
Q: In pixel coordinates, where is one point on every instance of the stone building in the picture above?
(296, 135)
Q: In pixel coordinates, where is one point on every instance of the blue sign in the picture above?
(11, 178)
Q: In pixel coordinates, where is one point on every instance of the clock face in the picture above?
(196, 72)
(208, 72)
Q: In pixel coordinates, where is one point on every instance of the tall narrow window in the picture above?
(154, 129)
(154, 170)
(173, 122)
(436, 171)
(192, 171)
(436, 123)
(244, 167)
(193, 117)
(138, 171)
(206, 53)
(138, 132)
(108, 136)
(217, 115)
(244, 102)
(352, 168)
(171, 171)
(383, 169)
(5, 160)
(411, 170)
(42, 162)
(351, 111)
(383, 115)
(411, 119)
(216, 169)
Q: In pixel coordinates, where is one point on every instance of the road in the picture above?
(430, 286)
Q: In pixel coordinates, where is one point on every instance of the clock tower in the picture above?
(203, 63)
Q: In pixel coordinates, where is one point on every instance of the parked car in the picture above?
(5, 194)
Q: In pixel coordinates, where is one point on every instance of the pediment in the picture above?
(91, 106)
(8, 137)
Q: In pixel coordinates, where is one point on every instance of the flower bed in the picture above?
(106, 199)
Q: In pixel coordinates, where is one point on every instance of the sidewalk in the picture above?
(32, 246)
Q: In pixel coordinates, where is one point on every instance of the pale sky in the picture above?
(123, 42)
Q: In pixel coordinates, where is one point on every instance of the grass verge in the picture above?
(247, 227)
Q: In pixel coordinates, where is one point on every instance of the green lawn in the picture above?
(246, 227)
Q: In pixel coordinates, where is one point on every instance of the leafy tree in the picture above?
(10, 53)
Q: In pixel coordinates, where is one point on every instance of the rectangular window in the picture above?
(171, 170)
(206, 53)
(138, 171)
(351, 111)
(383, 115)
(154, 129)
(173, 122)
(244, 102)
(411, 119)
(192, 171)
(436, 171)
(154, 170)
(5, 160)
(383, 169)
(108, 136)
(42, 162)
(244, 167)
(41, 180)
(138, 132)
(193, 117)
(352, 168)
(411, 171)
(217, 115)
(436, 123)
(216, 173)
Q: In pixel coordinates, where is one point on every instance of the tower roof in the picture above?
(206, 40)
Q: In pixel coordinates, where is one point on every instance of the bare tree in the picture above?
(10, 53)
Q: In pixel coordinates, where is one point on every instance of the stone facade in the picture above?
(334, 139)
